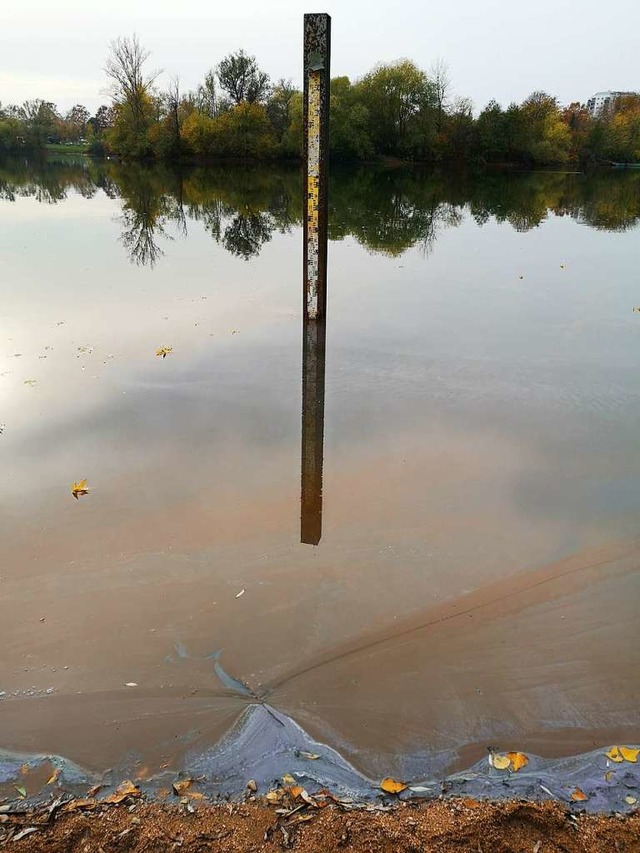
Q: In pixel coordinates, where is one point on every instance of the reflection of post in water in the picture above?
(313, 362)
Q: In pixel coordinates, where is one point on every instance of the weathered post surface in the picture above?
(317, 51)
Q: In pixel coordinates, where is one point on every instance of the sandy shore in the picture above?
(444, 826)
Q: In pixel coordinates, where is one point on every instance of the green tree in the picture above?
(241, 78)
(402, 108)
(349, 122)
(279, 107)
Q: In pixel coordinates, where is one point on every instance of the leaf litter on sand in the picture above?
(123, 790)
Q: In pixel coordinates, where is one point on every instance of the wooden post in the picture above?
(317, 53)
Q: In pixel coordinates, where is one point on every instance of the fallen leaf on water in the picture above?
(392, 786)
(238, 594)
(124, 789)
(614, 755)
(630, 800)
(629, 753)
(310, 756)
(500, 762)
(608, 775)
(288, 779)
(518, 760)
(54, 777)
(79, 488)
(623, 753)
(21, 790)
(579, 795)
(164, 351)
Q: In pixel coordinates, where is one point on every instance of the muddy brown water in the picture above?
(475, 583)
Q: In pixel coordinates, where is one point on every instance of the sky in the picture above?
(496, 49)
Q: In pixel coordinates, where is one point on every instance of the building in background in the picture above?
(600, 100)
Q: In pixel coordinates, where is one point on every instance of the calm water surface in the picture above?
(476, 579)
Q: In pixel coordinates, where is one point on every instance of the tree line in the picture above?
(395, 111)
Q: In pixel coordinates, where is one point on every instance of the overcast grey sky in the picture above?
(55, 49)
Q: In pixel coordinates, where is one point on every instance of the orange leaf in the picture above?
(391, 786)
(579, 795)
(518, 760)
(295, 791)
(629, 754)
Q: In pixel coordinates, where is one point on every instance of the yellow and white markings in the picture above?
(313, 194)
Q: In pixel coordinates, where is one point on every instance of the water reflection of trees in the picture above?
(385, 210)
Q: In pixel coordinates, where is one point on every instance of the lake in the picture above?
(468, 576)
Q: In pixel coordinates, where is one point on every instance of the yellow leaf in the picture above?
(288, 779)
(579, 795)
(21, 790)
(630, 801)
(518, 760)
(54, 777)
(608, 775)
(391, 786)
(79, 488)
(164, 351)
(629, 754)
(500, 762)
(614, 755)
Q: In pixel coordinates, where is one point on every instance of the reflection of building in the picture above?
(600, 100)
